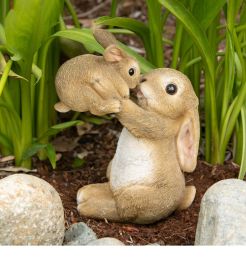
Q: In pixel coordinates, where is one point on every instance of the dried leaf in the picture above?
(17, 169)
(7, 158)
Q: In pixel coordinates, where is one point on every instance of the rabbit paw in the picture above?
(106, 107)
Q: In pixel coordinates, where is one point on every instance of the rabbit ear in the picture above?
(104, 37)
(188, 141)
(113, 54)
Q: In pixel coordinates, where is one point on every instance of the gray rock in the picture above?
(222, 217)
(106, 241)
(79, 234)
(153, 244)
(31, 212)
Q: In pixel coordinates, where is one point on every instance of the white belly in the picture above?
(132, 163)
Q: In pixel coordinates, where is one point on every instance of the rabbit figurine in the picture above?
(96, 83)
(158, 143)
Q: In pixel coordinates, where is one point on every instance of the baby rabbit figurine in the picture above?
(158, 143)
(96, 83)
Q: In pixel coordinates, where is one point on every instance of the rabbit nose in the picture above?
(143, 80)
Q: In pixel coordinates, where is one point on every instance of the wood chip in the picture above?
(17, 169)
(7, 158)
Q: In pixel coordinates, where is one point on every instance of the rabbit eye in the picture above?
(171, 89)
(131, 71)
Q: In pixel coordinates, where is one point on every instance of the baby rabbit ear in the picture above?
(104, 37)
(113, 54)
(188, 141)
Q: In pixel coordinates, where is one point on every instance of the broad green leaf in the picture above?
(51, 153)
(28, 25)
(144, 64)
(32, 150)
(206, 11)
(128, 23)
(133, 25)
(84, 36)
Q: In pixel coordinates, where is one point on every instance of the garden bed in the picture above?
(99, 143)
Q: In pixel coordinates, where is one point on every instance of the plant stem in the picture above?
(72, 13)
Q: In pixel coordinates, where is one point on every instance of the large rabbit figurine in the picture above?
(158, 143)
(96, 83)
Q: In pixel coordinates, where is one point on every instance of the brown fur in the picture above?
(167, 125)
(96, 83)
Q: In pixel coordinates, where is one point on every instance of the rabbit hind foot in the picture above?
(188, 198)
(97, 201)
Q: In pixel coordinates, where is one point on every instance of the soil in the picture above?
(98, 144)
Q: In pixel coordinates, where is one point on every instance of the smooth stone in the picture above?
(31, 212)
(222, 217)
(153, 244)
(106, 241)
(79, 234)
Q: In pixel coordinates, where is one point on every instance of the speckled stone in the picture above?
(106, 241)
(222, 217)
(31, 212)
(79, 234)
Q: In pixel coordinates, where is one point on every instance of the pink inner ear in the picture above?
(113, 54)
(186, 146)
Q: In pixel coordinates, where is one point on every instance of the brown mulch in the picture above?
(99, 143)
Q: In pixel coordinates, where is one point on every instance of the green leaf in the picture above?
(58, 128)
(128, 23)
(5, 74)
(5, 142)
(193, 27)
(133, 25)
(64, 125)
(206, 11)
(37, 72)
(144, 64)
(51, 153)
(84, 36)
(113, 9)
(32, 150)
(243, 152)
(2, 35)
(28, 25)
(15, 118)
(78, 162)
(92, 119)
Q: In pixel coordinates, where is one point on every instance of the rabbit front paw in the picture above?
(106, 107)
